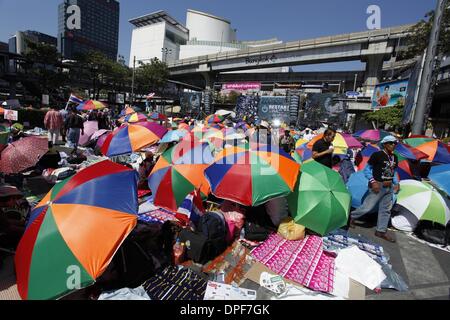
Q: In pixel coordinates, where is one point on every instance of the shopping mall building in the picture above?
(158, 35)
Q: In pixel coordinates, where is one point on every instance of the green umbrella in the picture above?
(423, 201)
(321, 201)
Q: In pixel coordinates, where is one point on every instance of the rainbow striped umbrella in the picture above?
(91, 105)
(134, 117)
(178, 172)
(300, 142)
(408, 152)
(417, 141)
(404, 170)
(341, 143)
(156, 116)
(303, 153)
(437, 151)
(366, 153)
(214, 119)
(173, 136)
(132, 137)
(74, 232)
(127, 111)
(252, 174)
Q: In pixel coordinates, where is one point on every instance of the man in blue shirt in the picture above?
(381, 171)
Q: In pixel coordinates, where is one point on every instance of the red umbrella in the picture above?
(23, 154)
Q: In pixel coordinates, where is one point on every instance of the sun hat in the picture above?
(388, 139)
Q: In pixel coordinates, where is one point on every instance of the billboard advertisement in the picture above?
(271, 108)
(247, 108)
(191, 102)
(390, 94)
(324, 107)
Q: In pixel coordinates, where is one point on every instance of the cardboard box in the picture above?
(356, 290)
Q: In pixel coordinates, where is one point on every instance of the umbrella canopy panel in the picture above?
(74, 232)
(321, 201)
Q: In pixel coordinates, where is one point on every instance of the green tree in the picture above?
(43, 65)
(387, 116)
(102, 72)
(233, 97)
(420, 33)
(151, 76)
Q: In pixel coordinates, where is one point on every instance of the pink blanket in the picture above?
(303, 262)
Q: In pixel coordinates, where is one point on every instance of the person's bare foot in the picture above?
(384, 236)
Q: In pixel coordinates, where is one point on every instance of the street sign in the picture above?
(353, 94)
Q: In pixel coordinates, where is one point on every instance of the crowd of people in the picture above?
(65, 127)
(68, 124)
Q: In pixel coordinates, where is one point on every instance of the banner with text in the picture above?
(271, 108)
(242, 86)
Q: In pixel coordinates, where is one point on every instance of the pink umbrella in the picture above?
(90, 127)
(99, 133)
(22, 154)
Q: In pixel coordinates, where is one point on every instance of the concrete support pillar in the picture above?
(374, 73)
(209, 78)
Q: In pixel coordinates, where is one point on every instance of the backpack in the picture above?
(258, 225)
(433, 232)
(208, 241)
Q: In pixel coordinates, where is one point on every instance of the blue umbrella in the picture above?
(173, 136)
(440, 175)
(358, 185)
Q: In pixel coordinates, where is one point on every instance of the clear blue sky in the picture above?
(287, 20)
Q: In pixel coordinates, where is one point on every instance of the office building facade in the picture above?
(18, 42)
(156, 35)
(99, 28)
(4, 46)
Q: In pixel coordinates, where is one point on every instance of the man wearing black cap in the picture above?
(383, 181)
